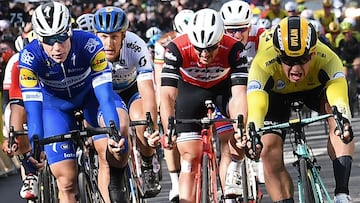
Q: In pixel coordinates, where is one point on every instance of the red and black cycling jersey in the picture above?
(182, 62)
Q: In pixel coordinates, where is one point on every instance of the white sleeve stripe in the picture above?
(32, 96)
(101, 79)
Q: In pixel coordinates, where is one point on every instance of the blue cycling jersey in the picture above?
(82, 81)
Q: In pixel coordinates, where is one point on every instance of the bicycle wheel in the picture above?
(205, 180)
(85, 192)
(43, 179)
(244, 181)
(307, 190)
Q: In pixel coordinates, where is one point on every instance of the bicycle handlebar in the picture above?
(12, 135)
(74, 135)
(295, 123)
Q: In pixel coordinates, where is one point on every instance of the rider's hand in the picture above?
(240, 141)
(165, 142)
(348, 133)
(5, 148)
(118, 147)
(38, 164)
(250, 153)
(152, 139)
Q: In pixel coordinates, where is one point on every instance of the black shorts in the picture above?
(279, 110)
(190, 103)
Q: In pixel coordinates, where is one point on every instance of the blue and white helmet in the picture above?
(110, 19)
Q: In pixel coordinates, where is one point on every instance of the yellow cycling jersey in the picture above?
(266, 74)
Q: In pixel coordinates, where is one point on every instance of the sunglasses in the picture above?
(235, 30)
(60, 38)
(208, 49)
(292, 61)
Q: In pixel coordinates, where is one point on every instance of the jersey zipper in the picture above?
(67, 86)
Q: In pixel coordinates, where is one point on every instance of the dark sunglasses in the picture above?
(292, 61)
(60, 38)
(208, 49)
(235, 30)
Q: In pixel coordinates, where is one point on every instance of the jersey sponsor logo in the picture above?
(339, 75)
(280, 84)
(91, 45)
(32, 96)
(68, 81)
(170, 56)
(69, 155)
(27, 78)
(99, 63)
(142, 61)
(134, 46)
(253, 85)
(27, 57)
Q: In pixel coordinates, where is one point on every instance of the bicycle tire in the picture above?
(85, 192)
(44, 195)
(205, 180)
(307, 189)
(244, 181)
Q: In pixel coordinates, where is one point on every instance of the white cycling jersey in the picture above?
(134, 63)
(251, 46)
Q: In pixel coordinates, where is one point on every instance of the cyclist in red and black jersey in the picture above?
(200, 65)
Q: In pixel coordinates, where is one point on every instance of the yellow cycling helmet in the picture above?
(300, 1)
(334, 27)
(274, 2)
(31, 35)
(345, 26)
(327, 3)
(294, 37)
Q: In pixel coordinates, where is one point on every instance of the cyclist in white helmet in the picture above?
(61, 71)
(237, 16)
(202, 64)
(172, 156)
(86, 22)
(152, 31)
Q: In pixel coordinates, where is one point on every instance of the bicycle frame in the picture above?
(308, 170)
(205, 191)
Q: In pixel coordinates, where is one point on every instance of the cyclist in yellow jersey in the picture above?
(292, 64)
(275, 11)
(325, 15)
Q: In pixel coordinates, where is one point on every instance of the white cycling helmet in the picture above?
(181, 20)
(205, 28)
(264, 22)
(236, 14)
(50, 19)
(153, 31)
(86, 22)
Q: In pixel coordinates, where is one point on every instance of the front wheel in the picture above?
(84, 188)
(307, 191)
(205, 180)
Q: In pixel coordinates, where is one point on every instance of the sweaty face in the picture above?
(297, 72)
(206, 55)
(112, 44)
(58, 51)
(241, 34)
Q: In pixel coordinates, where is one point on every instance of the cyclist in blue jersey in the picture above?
(132, 74)
(64, 70)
